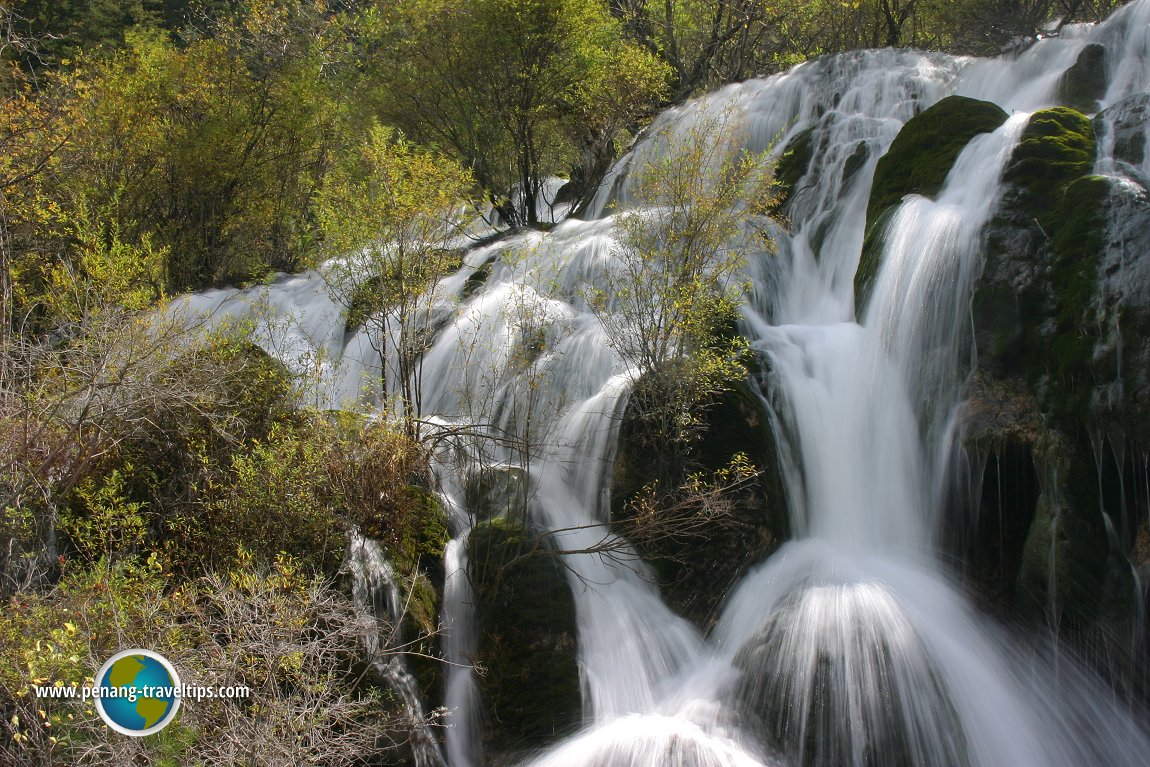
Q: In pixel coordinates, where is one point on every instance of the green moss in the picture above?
(1077, 244)
(1051, 229)
(375, 292)
(420, 627)
(1084, 83)
(918, 162)
(1066, 555)
(366, 299)
(419, 541)
(924, 151)
(249, 387)
(855, 161)
(525, 617)
(1056, 147)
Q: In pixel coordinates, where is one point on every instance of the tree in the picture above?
(512, 87)
(671, 304)
(386, 218)
(988, 26)
(211, 152)
(32, 131)
(704, 42)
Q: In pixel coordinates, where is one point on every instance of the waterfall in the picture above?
(850, 645)
(377, 597)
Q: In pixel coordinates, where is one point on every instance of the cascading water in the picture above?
(377, 596)
(849, 646)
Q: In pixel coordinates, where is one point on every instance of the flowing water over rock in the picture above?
(850, 645)
(377, 596)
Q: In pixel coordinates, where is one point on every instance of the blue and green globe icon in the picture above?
(138, 692)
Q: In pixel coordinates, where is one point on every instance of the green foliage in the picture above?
(704, 42)
(276, 498)
(106, 524)
(289, 636)
(299, 488)
(675, 293)
(701, 520)
(210, 153)
(512, 87)
(70, 27)
(105, 270)
(385, 213)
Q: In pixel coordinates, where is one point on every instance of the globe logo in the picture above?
(137, 692)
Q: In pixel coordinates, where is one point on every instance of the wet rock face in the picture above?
(497, 492)
(1003, 432)
(837, 675)
(1125, 125)
(525, 617)
(793, 165)
(1040, 255)
(1064, 300)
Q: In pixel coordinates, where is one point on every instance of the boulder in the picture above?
(918, 162)
(837, 675)
(496, 491)
(526, 639)
(1084, 83)
(696, 571)
(1125, 122)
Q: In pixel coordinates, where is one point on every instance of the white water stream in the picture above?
(849, 646)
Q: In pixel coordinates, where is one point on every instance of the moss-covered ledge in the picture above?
(918, 162)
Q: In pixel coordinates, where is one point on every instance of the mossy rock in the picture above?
(918, 162)
(1083, 85)
(1064, 566)
(1006, 438)
(477, 279)
(421, 628)
(695, 574)
(924, 151)
(1056, 147)
(792, 165)
(496, 491)
(417, 535)
(1044, 245)
(373, 294)
(250, 388)
(366, 299)
(1078, 241)
(526, 629)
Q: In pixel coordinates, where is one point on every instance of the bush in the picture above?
(293, 639)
